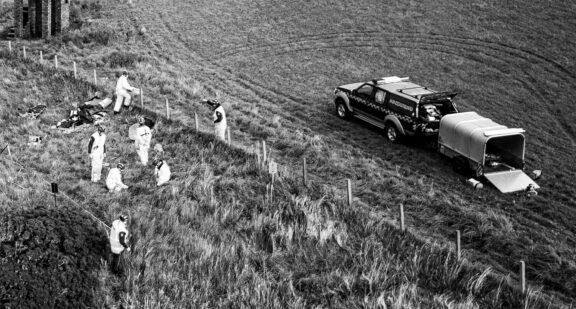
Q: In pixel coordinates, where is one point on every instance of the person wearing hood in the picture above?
(122, 95)
(219, 118)
(118, 242)
(143, 138)
(97, 152)
(161, 172)
(114, 180)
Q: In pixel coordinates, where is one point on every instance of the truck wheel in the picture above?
(392, 134)
(342, 110)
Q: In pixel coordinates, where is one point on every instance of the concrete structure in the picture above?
(40, 18)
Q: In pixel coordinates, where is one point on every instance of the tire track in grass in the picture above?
(223, 77)
(497, 51)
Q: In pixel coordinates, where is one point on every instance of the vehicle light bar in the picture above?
(393, 79)
(503, 132)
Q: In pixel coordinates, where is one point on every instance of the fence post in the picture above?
(196, 121)
(402, 227)
(523, 276)
(75, 71)
(349, 185)
(10, 46)
(264, 153)
(142, 98)
(304, 172)
(167, 110)
(24, 51)
(95, 78)
(41, 58)
(458, 244)
(9, 152)
(228, 135)
(56, 61)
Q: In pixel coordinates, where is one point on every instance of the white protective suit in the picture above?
(114, 181)
(97, 151)
(142, 142)
(118, 227)
(122, 88)
(162, 173)
(219, 118)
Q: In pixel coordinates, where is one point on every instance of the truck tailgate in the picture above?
(510, 181)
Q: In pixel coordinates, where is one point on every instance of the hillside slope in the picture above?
(213, 237)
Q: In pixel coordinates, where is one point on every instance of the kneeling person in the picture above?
(114, 180)
(161, 171)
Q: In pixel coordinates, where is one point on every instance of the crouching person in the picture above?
(114, 180)
(161, 171)
(118, 243)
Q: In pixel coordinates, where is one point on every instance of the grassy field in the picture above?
(275, 64)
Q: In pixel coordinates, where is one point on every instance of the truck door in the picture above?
(362, 97)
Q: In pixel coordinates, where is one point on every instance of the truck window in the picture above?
(365, 91)
(380, 96)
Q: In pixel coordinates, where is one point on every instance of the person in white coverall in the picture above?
(97, 152)
(118, 242)
(142, 141)
(219, 118)
(161, 171)
(122, 89)
(114, 180)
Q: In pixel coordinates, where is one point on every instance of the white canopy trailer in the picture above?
(491, 150)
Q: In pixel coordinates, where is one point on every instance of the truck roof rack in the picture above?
(392, 79)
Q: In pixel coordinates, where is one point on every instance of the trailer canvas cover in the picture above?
(471, 135)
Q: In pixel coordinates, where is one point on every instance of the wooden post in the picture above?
(349, 183)
(24, 51)
(304, 172)
(228, 135)
(458, 244)
(402, 227)
(523, 276)
(56, 61)
(142, 98)
(9, 46)
(264, 159)
(75, 71)
(41, 58)
(167, 110)
(95, 78)
(196, 122)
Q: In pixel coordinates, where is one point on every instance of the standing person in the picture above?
(142, 141)
(161, 171)
(118, 242)
(219, 118)
(97, 152)
(114, 180)
(122, 89)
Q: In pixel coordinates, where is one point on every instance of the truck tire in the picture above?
(341, 110)
(392, 133)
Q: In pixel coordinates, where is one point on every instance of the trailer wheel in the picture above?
(392, 134)
(459, 165)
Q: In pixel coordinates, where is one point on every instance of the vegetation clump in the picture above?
(49, 257)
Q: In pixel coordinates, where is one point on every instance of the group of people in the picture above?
(142, 136)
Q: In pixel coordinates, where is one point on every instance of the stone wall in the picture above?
(18, 30)
(46, 18)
